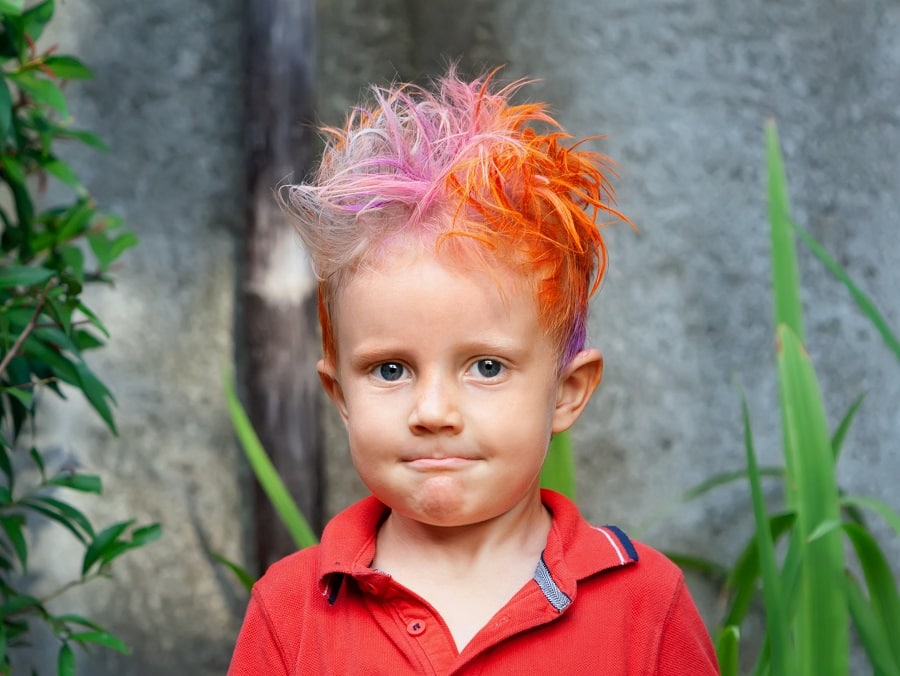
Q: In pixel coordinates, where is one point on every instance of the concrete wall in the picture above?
(682, 90)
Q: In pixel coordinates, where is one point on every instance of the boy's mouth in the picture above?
(438, 462)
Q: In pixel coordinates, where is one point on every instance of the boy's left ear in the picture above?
(577, 383)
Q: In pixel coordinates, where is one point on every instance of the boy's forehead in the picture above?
(473, 260)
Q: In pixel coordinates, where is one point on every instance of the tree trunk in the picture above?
(277, 338)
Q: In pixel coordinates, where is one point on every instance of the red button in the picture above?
(415, 627)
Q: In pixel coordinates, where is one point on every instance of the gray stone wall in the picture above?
(682, 91)
(167, 99)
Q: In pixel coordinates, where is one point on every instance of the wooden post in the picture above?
(277, 342)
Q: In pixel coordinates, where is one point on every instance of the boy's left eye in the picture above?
(391, 371)
(488, 368)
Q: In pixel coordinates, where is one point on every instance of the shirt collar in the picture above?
(575, 549)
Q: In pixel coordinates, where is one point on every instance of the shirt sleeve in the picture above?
(258, 650)
(685, 646)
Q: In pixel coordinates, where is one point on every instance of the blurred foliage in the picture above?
(47, 258)
(800, 559)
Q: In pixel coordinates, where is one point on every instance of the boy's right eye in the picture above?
(390, 371)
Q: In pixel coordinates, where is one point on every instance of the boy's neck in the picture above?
(467, 573)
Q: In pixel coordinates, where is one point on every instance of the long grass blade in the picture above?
(877, 506)
(785, 279)
(837, 439)
(871, 634)
(882, 586)
(776, 618)
(742, 581)
(821, 630)
(727, 650)
(862, 300)
(266, 473)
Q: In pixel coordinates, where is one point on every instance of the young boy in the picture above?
(456, 241)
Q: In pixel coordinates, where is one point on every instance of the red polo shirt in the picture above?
(598, 604)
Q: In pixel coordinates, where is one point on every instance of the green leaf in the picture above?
(41, 90)
(882, 586)
(68, 68)
(55, 516)
(92, 318)
(824, 529)
(785, 279)
(6, 105)
(65, 661)
(23, 275)
(97, 394)
(773, 595)
(73, 257)
(558, 472)
(724, 478)
(72, 618)
(821, 630)
(105, 540)
(103, 638)
(38, 461)
(76, 219)
(17, 603)
(266, 473)
(11, 7)
(139, 538)
(63, 513)
(13, 167)
(86, 483)
(63, 172)
(146, 534)
(107, 249)
(36, 19)
(837, 439)
(88, 138)
(877, 506)
(245, 578)
(741, 584)
(13, 525)
(871, 633)
(727, 650)
(862, 300)
(24, 395)
(6, 466)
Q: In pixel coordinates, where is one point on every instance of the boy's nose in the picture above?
(435, 408)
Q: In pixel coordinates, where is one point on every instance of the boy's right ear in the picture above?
(328, 376)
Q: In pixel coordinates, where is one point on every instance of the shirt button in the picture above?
(415, 627)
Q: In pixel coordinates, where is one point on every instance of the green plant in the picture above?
(47, 257)
(809, 594)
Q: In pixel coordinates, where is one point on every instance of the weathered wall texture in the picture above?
(167, 98)
(681, 88)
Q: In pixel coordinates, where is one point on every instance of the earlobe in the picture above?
(577, 383)
(328, 376)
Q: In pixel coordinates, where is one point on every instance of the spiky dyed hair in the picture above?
(460, 164)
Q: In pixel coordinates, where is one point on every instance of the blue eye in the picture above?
(489, 368)
(391, 371)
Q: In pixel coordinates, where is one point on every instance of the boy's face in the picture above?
(449, 388)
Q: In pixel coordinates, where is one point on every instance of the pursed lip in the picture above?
(438, 462)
